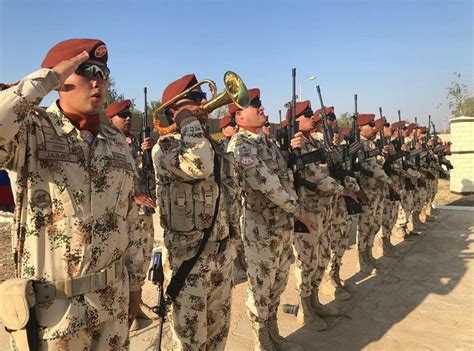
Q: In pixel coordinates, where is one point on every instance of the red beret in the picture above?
(396, 125)
(253, 93)
(410, 128)
(117, 107)
(68, 49)
(380, 122)
(224, 121)
(327, 109)
(364, 119)
(299, 108)
(423, 130)
(284, 123)
(178, 86)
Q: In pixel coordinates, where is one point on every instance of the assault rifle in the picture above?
(147, 162)
(439, 150)
(156, 276)
(335, 159)
(403, 155)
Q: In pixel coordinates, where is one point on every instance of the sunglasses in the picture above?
(92, 70)
(125, 114)
(372, 124)
(256, 103)
(308, 113)
(266, 124)
(196, 96)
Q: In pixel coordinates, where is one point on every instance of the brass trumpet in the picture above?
(234, 91)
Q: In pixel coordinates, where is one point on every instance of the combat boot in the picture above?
(375, 263)
(279, 341)
(364, 265)
(263, 341)
(308, 318)
(403, 233)
(331, 286)
(320, 309)
(388, 249)
(418, 226)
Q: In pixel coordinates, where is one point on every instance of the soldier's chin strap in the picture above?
(177, 281)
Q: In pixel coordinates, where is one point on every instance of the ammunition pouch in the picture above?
(192, 205)
(17, 312)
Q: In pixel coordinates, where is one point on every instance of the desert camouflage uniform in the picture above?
(145, 219)
(370, 219)
(233, 202)
(312, 250)
(187, 195)
(269, 202)
(75, 215)
(390, 208)
(421, 192)
(431, 184)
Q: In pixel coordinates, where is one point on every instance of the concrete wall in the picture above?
(462, 149)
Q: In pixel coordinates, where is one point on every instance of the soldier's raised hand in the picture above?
(298, 141)
(67, 67)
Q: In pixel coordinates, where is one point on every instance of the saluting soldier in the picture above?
(372, 179)
(229, 128)
(121, 117)
(76, 227)
(269, 205)
(192, 204)
(312, 255)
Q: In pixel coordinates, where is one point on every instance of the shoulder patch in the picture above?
(247, 160)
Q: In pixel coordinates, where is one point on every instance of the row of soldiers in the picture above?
(83, 233)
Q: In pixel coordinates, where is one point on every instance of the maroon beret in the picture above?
(396, 125)
(284, 123)
(379, 123)
(364, 119)
(423, 130)
(115, 108)
(410, 128)
(178, 86)
(68, 49)
(253, 93)
(299, 108)
(224, 121)
(327, 109)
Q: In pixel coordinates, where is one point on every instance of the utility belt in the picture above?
(18, 298)
(65, 289)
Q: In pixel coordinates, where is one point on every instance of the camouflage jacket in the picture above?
(266, 182)
(75, 212)
(371, 165)
(186, 190)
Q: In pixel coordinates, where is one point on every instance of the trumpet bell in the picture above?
(235, 91)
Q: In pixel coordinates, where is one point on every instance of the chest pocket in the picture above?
(192, 205)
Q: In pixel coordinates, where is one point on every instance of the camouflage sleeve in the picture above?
(324, 183)
(15, 105)
(257, 175)
(371, 165)
(135, 250)
(189, 157)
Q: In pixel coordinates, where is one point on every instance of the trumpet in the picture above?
(234, 91)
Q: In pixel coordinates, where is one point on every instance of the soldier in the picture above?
(372, 179)
(432, 183)
(269, 204)
(77, 235)
(391, 203)
(229, 128)
(312, 249)
(193, 213)
(120, 115)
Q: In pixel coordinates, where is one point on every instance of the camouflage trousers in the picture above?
(310, 250)
(341, 224)
(432, 189)
(268, 254)
(110, 335)
(390, 213)
(148, 235)
(370, 220)
(406, 207)
(200, 314)
(419, 198)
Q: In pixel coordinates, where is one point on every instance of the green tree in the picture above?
(113, 95)
(344, 120)
(457, 97)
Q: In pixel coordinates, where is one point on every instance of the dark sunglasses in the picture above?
(256, 103)
(125, 114)
(196, 96)
(308, 113)
(372, 124)
(266, 124)
(92, 70)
